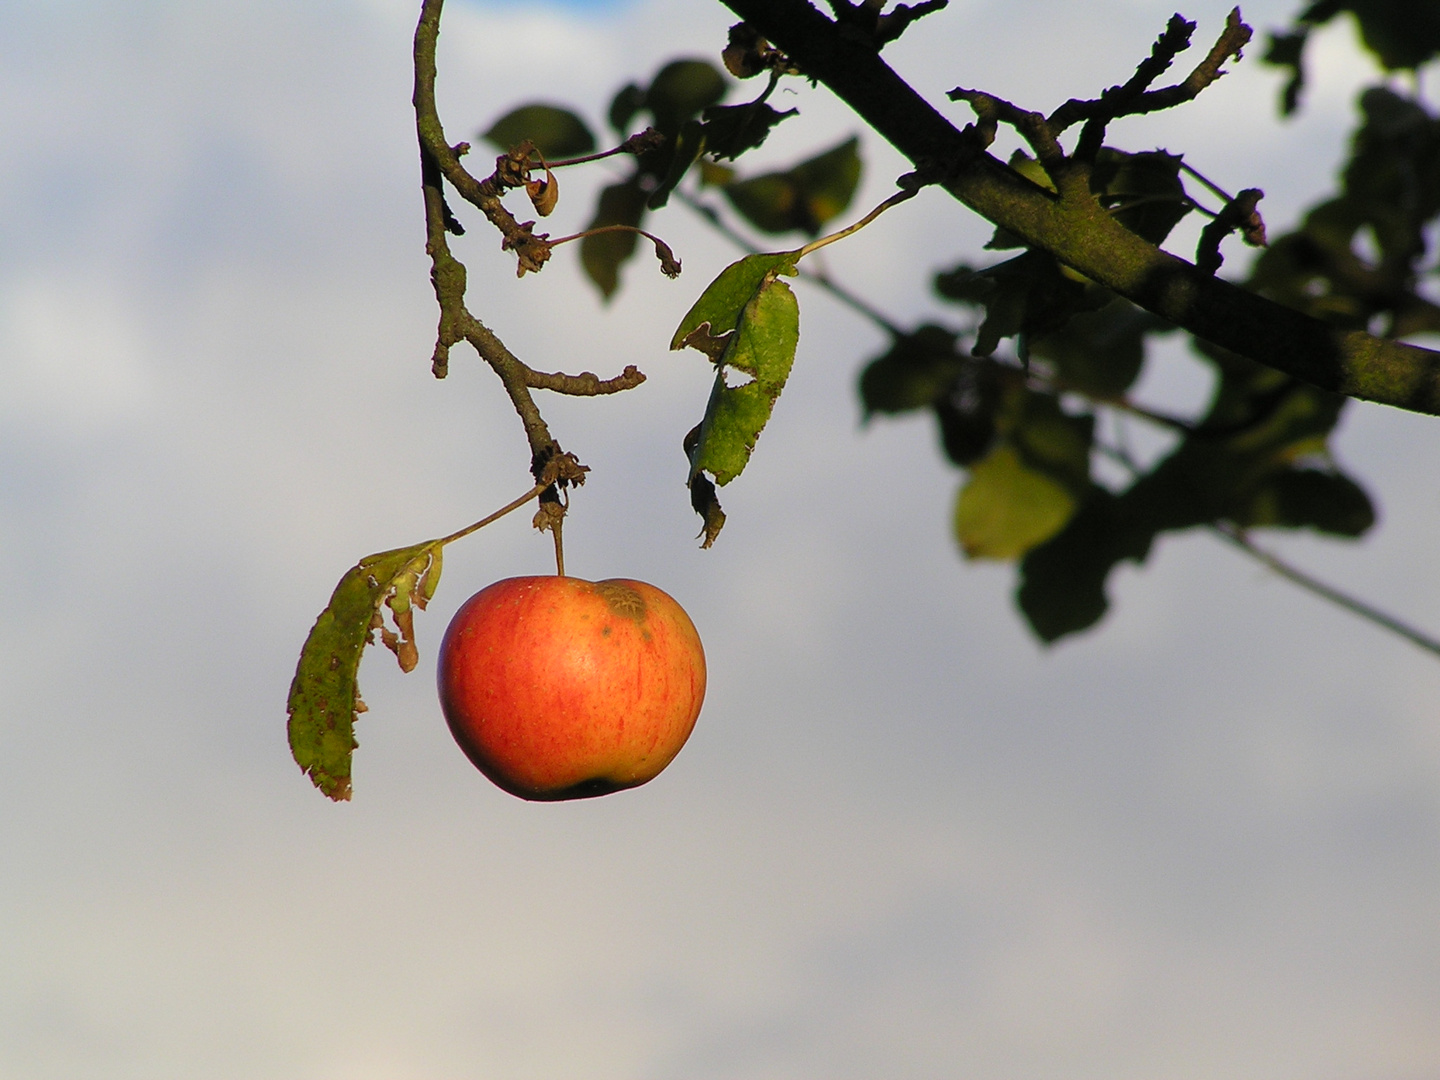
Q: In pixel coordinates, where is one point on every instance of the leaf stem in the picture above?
(1216, 188)
(893, 200)
(515, 505)
(856, 303)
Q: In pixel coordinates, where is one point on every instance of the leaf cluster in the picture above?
(682, 104)
(1257, 456)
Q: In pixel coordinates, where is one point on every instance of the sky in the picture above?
(905, 839)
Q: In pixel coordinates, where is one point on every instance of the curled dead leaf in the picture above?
(544, 194)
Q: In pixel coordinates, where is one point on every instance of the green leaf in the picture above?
(1400, 34)
(914, 373)
(324, 696)
(730, 130)
(1143, 190)
(557, 133)
(685, 151)
(967, 413)
(1006, 508)
(1288, 51)
(805, 197)
(1389, 200)
(1100, 352)
(603, 255)
(721, 304)
(1062, 582)
(762, 345)
(680, 90)
(623, 107)
(1048, 438)
(1309, 498)
(1029, 294)
(1245, 463)
(734, 418)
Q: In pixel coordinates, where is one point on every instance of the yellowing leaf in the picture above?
(1007, 508)
(324, 696)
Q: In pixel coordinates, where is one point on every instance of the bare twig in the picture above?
(1133, 99)
(1113, 102)
(1038, 132)
(1311, 584)
(866, 23)
(637, 144)
(586, 384)
(669, 264)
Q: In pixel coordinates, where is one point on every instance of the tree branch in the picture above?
(1079, 232)
(510, 170)
(586, 384)
(550, 466)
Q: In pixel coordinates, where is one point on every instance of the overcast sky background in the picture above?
(904, 841)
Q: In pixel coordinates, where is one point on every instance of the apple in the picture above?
(560, 688)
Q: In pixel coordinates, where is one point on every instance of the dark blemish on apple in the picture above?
(605, 632)
(622, 599)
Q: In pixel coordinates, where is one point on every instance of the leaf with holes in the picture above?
(748, 321)
(720, 306)
(325, 695)
(762, 345)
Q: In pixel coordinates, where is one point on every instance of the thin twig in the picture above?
(1314, 585)
(586, 384)
(1216, 188)
(1311, 584)
(669, 264)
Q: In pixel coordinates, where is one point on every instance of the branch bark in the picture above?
(1078, 231)
(440, 162)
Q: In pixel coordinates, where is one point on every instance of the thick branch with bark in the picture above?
(1079, 232)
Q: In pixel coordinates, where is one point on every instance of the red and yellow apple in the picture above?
(560, 688)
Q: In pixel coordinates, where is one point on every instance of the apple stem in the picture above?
(559, 550)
